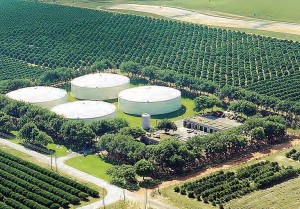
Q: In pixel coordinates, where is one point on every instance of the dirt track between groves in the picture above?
(195, 17)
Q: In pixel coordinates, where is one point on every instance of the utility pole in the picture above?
(103, 198)
(55, 161)
(51, 161)
(146, 199)
(124, 191)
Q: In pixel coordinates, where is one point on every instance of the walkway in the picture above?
(198, 18)
(114, 193)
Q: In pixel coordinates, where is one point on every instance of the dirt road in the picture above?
(195, 17)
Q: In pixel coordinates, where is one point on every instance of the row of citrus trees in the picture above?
(14, 69)
(36, 187)
(223, 186)
(59, 36)
(284, 88)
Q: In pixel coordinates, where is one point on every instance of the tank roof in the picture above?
(37, 94)
(84, 109)
(100, 80)
(149, 94)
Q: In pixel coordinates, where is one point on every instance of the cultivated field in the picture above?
(217, 21)
(268, 9)
(26, 185)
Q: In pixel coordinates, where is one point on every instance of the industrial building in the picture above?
(99, 86)
(153, 100)
(87, 111)
(43, 96)
(209, 124)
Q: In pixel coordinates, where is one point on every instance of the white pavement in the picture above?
(113, 193)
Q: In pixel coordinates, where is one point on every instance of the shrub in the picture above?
(182, 192)
(191, 195)
(177, 189)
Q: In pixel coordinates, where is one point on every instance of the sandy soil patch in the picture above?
(198, 18)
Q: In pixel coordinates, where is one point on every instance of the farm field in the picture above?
(222, 56)
(26, 185)
(284, 195)
(280, 10)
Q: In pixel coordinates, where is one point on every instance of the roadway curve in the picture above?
(114, 193)
(195, 17)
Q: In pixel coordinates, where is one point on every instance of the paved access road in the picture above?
(113, 193)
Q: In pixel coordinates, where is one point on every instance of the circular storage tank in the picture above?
(146, 121)
(154, 100)
(87, 111)
(99, 86)
(43, 96)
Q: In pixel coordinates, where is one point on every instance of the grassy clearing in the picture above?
(284, 195)
(92, 165)
(279, 10)
(60, 150)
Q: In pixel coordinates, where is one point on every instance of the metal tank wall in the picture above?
(152, 108)
(104, 93)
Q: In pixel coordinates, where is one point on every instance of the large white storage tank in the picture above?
(153, 100)
(87, 111)
(43, 96)
(99, 86)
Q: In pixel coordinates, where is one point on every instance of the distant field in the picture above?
(280, 10)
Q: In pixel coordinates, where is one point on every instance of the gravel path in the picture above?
(195, 17)
(114, 193)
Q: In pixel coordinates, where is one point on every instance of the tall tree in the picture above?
(144, 168)
(166, 125)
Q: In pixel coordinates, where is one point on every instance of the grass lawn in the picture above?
(284, 195)
(92, 165)
(60, 151)
(279, 10)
